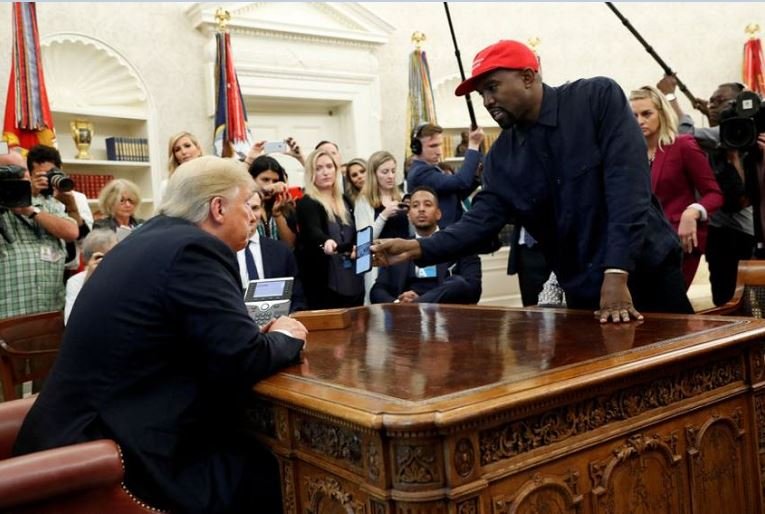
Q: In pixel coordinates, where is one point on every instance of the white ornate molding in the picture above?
(456, 114)
(337, 23)
(84, 73)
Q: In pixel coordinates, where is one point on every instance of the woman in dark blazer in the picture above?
(681, 177)
(326, 237)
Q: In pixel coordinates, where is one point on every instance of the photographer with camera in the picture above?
(32, 276)
(46, 159)
(731, 236)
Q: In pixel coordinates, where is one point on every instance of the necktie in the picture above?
(252, 270)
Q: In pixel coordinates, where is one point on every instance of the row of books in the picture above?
(90, 185)
(121, 148)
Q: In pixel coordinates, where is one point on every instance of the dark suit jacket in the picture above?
(279, 261)
(679, 171)
(458, 282)
(159, 354)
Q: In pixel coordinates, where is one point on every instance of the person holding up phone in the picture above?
(326, 238)
(278, 215)
(381, 205)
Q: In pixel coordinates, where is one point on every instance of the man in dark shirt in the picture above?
(571, 167)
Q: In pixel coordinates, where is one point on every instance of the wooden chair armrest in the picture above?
(41, 475)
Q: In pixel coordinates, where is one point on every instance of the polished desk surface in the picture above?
(401, 366)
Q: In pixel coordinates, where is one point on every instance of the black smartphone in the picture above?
(363, 253)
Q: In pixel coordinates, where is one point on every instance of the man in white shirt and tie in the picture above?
(268, 258)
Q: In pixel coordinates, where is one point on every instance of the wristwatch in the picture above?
(35, 212)
(670, 97)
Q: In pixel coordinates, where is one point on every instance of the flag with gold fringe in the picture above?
(232, 136)
(753, 75)
(421, 106)
(28, 119)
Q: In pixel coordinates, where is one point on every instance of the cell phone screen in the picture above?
(363, 253)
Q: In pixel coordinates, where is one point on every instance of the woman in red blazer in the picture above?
(681, 177)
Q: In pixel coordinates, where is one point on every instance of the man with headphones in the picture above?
(427, 149)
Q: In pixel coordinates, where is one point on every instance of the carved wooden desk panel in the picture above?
(469, 410)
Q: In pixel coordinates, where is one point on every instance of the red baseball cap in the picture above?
(503, 54)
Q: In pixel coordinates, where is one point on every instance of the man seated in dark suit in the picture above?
(160, 354)
(264, 257)
(454, 282)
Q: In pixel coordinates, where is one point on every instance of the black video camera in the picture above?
(15, 190)
(742, 122)
(59, 180)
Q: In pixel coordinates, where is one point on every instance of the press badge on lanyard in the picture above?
(49, 254)
(426, 272)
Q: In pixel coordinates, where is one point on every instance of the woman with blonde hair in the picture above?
(681, 177)
(119, 200)
(380, 205)
(182, 147)
(326, 236)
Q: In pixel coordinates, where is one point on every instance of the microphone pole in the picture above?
(471, 112)
(650, 50)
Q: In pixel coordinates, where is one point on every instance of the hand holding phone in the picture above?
(276, 147)
(363, 250)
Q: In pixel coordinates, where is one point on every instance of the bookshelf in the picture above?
(105, 126)
(114, 99)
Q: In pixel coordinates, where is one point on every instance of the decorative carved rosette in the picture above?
(464, 457)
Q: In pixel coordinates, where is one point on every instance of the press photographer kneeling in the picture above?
(32, 250)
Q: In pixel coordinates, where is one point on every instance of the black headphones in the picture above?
(415, 145)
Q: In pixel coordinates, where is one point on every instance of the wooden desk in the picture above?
(470, 410)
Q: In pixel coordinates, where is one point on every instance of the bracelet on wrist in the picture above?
(616, 271)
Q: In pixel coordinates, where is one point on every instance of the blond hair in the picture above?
(110, 195)
(195, 183)
(172, 162)
(336, 206)
(667, 117)
(371, 189)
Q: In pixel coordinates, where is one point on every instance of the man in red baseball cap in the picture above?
(571, 167)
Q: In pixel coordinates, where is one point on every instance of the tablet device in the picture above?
(363, 247)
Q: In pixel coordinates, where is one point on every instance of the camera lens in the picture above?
(61, 182)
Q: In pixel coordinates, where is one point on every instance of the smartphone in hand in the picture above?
(363, 250)
(276, 147)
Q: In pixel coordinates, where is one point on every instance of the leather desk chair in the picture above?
(83, 478)
(749, 296)
(28, 347)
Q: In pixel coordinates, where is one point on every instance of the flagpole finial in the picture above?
(752, 29)
(534, 42)
(222, 17)
(418, 38)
